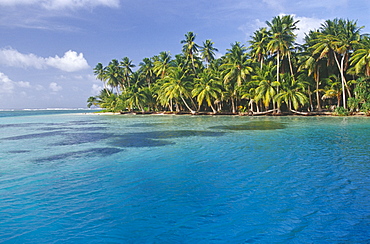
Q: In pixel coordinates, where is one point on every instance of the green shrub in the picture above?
(340, 111)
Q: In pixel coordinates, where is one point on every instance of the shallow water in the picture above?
(184, 179)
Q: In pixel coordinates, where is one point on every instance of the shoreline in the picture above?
(300, 114)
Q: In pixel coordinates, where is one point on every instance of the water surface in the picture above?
(184, 179)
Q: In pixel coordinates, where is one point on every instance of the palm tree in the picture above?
(291, 93)
(162, 63)
(235, 71)
(135, 97)
(333, 89)
(258, 47)
(282, 39)
(126, 65)
(361, 58)
(266, 90)
(176, 87)
(208, 88)
(190, 48)
(113, 75)
(100, 73)
(340, 37)
(311, 64)
(147, 70)
(208, 51)
(237, 66)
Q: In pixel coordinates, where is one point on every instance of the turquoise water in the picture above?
(82, 178)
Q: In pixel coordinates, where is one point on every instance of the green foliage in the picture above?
(331, 68)
(340, 111)
(353, 104)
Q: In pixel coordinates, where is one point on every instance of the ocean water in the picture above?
(83, 178)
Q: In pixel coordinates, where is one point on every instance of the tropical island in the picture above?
(328, 73)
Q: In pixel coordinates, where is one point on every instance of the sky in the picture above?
(48, 48)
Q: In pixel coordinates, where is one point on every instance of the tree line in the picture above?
(273, 73)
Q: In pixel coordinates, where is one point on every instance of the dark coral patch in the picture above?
(255, 125)
(156, 138)
(80, 138)
(95, 152)
(35, 135)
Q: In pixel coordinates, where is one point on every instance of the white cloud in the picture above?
(24, 84)
(62, 4)
(55, 87)
(306, 24)
(70, 62)
(8, 86)
(13, 58)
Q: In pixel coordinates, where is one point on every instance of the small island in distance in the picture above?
(328, 74)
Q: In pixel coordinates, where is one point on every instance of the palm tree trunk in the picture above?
(233, 105)
(342, 78)
(170, 105)
(105, 87)
(278, 77)
(310, 97)
(290, 65)
(192, 111)
(213, 109)
(278, 67)
(317, 78)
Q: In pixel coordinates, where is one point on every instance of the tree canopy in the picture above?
(330, 70)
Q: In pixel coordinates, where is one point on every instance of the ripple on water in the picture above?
(302, 184)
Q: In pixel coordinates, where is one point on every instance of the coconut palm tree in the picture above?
(340, 36)
(237, 66)
(267, 84)
(161, 64)
(126, 65)
(208, 52)
(208, 88)
(176, 87)
(312, 65)
(190, 48)
(235, 71)
(100, 72)
(361, 58)
(333, 89)
(291, 93)
(135, 97)
(258, 45)
(282, 39)
(147, 70)
(113, 75)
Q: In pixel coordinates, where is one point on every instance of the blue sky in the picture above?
(48, 48)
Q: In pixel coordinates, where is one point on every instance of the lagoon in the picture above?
(84, 178)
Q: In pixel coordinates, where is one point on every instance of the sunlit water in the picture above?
(82, 178)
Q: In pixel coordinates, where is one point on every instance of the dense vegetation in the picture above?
(273, 73)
